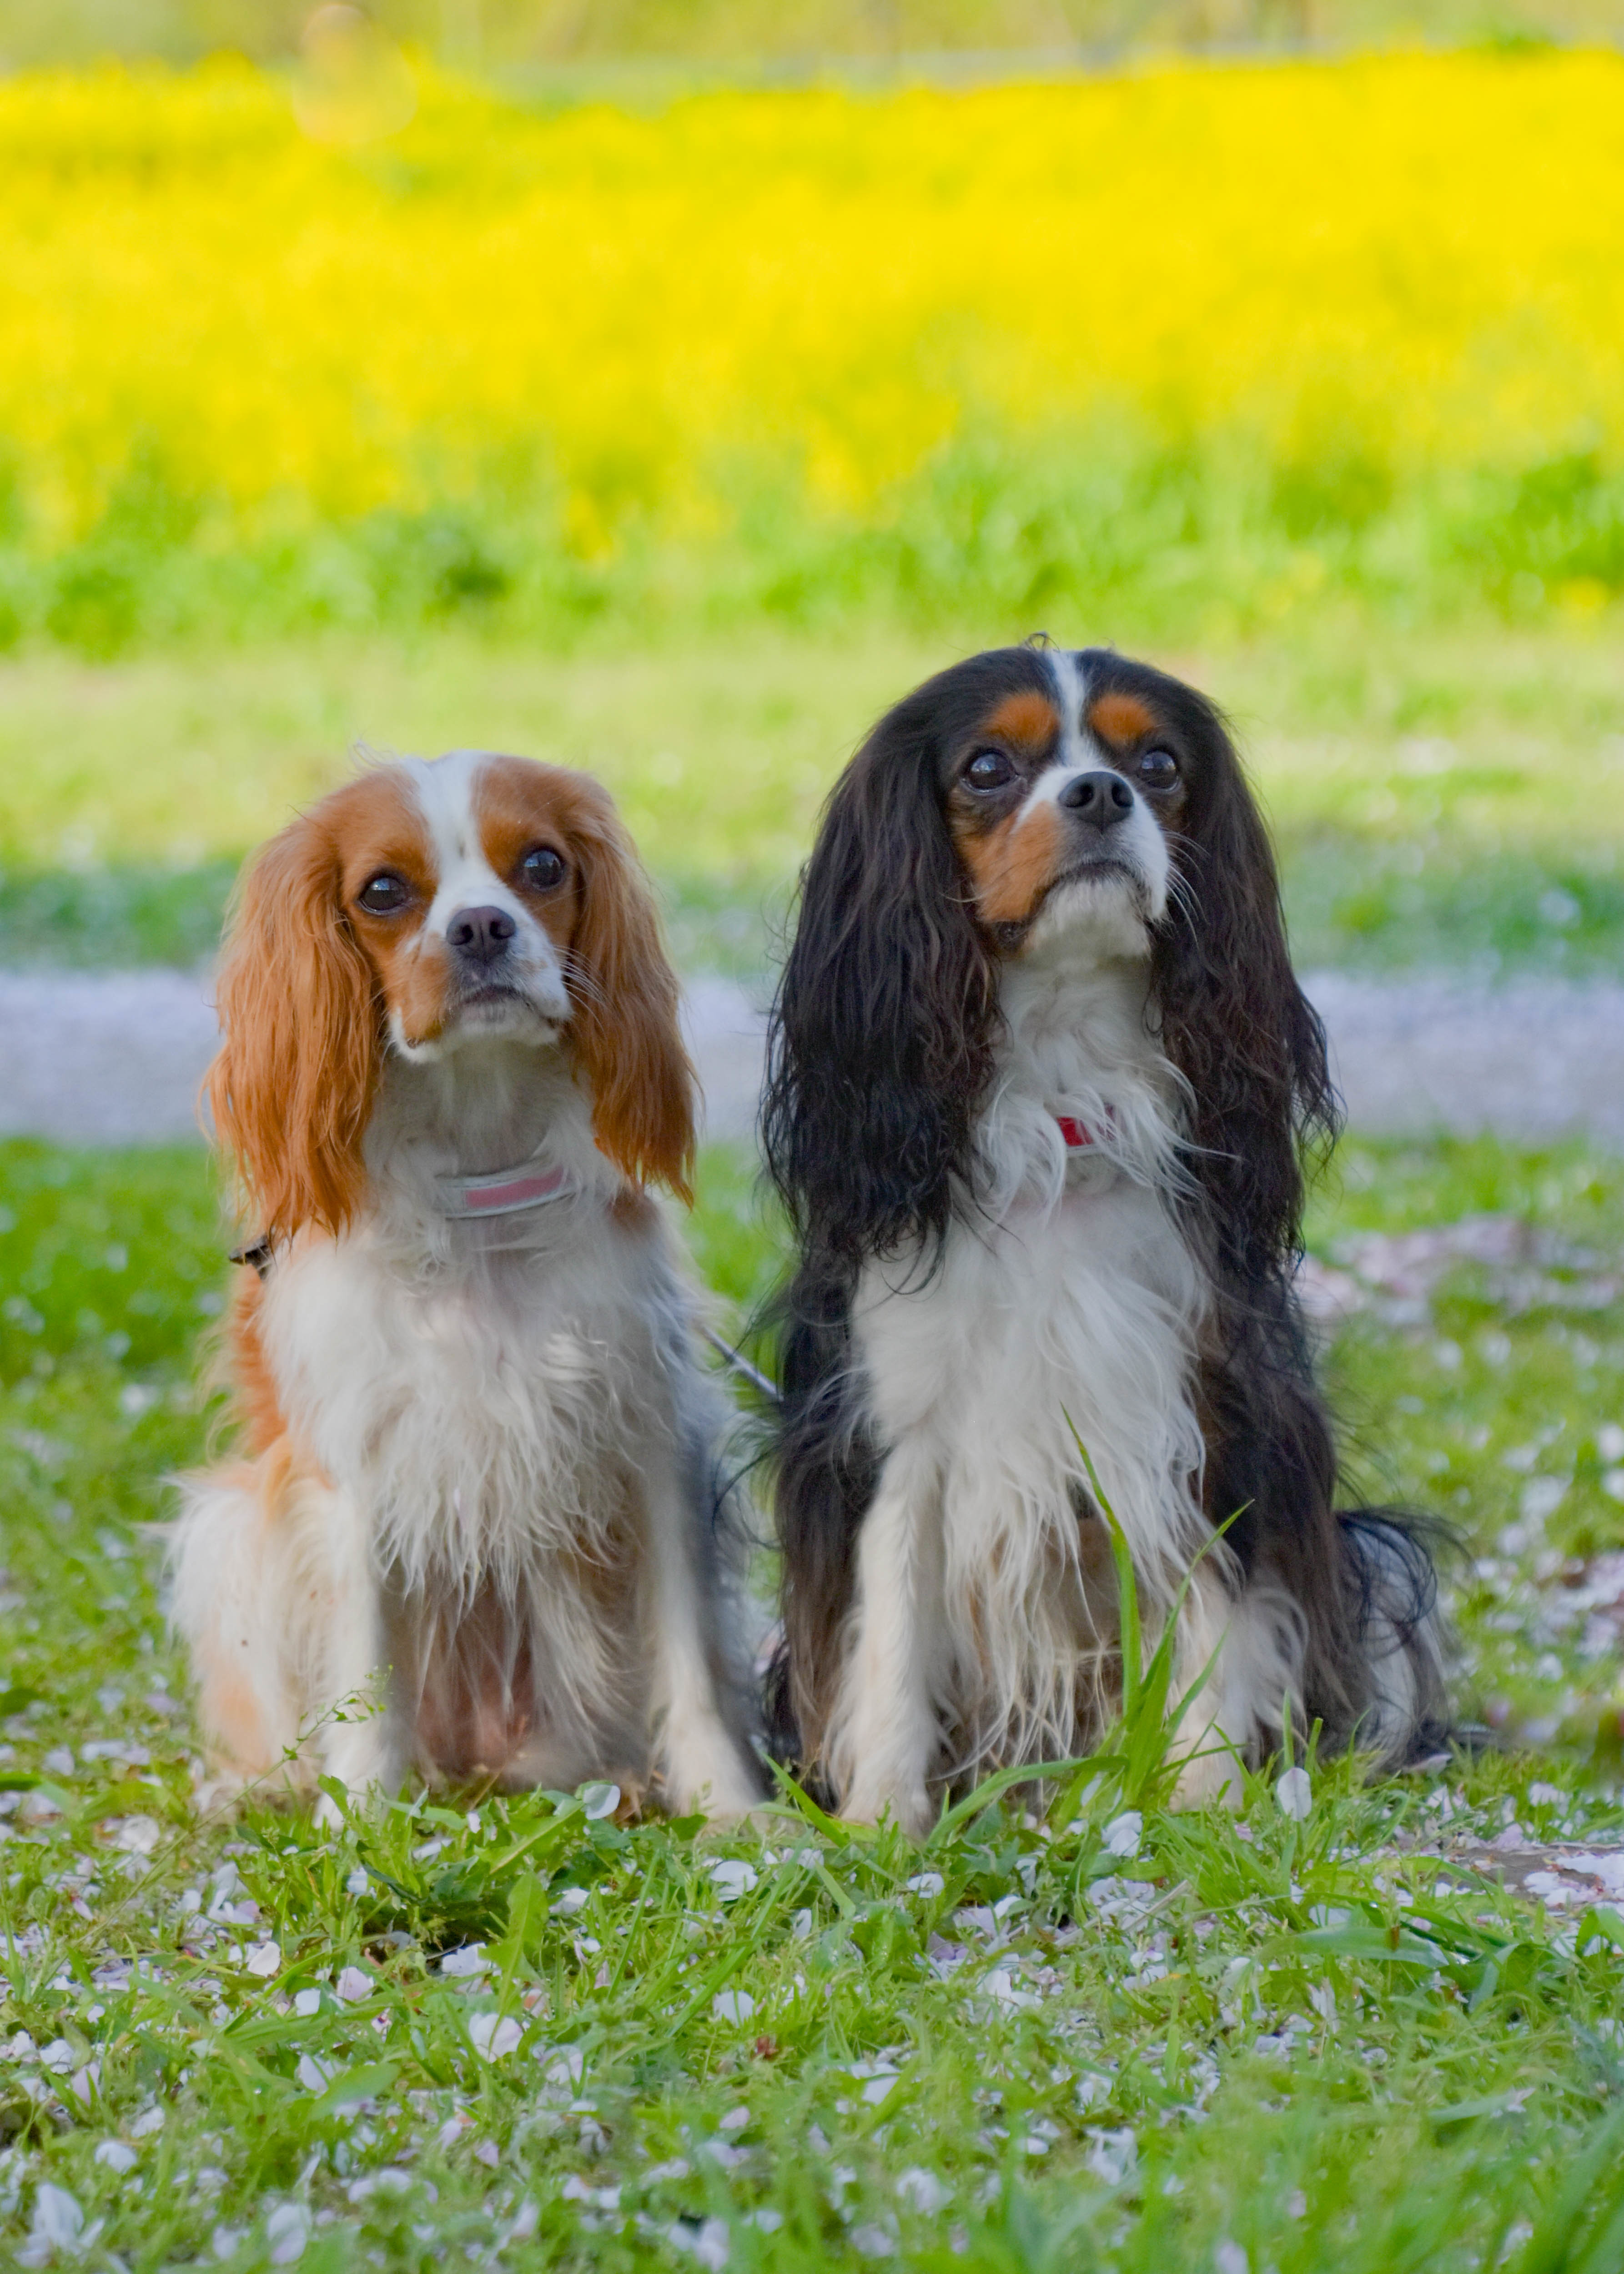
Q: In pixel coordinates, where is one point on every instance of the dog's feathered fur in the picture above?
(967, 1289)
(480, 1474)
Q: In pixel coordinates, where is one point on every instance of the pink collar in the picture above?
(503, 1192)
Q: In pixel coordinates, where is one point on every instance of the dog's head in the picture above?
(1032, 801)
(1061, 781)
(431, 910)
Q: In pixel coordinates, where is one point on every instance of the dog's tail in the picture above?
(1392, 1577)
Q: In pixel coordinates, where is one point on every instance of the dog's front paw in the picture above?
(713, 1780)
(908, 1806)
(1211, 1777)
(753, 1823)
(725, 1806)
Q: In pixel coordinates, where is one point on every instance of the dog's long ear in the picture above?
(626, 1038)
(292, 1086)
(879, 1046)
(1234, 1021)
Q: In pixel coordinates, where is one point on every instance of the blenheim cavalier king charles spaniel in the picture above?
(480, 1473)
(1040, 1080)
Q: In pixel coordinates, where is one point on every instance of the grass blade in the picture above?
(994, 1787)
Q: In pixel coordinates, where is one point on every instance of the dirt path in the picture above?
(116, 1057)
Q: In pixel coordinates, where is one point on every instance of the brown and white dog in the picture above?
(480, 1471)
(1040, 1073)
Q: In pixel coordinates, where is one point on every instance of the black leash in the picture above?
(741, 1365)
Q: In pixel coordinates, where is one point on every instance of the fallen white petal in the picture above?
(495, 2035)
(1294, 1797)
(58, 2222)
(288, 2230)
(923, 2190)
(1124, 1832)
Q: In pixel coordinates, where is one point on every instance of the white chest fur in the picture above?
(477, 1413)
(480, 1391)
(1069, 1300)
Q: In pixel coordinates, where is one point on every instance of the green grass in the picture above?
(1473, 1403)
(1036, 2047)
(1452, 797)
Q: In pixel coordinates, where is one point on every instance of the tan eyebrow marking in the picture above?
(1028, 717)
(1121, 719)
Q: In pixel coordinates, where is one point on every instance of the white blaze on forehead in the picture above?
(1072, 752)
(1138, 840)
(1075, 752)
(446, 791)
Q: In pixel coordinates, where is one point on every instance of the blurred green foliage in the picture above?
(555, 34)
(1028, 528)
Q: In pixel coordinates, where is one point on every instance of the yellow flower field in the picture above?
(216, 334)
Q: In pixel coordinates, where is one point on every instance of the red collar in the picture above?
(1076, 1134)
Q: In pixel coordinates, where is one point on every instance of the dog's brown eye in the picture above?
(386, 894)
(542, 869)
(1159, 769)
(988, 770)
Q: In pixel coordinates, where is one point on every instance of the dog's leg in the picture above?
(274, 1595)
(223, 1562)
(885, 1732)
(703, 1762)
(364, 1743)
(1254, 1646)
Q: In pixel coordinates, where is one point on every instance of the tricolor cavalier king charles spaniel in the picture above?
(480, 1469)
(1040, 1081)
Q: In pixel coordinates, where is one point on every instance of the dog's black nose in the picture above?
(1103, 798)
(480, 934)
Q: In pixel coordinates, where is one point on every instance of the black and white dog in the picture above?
(1040, 1076)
